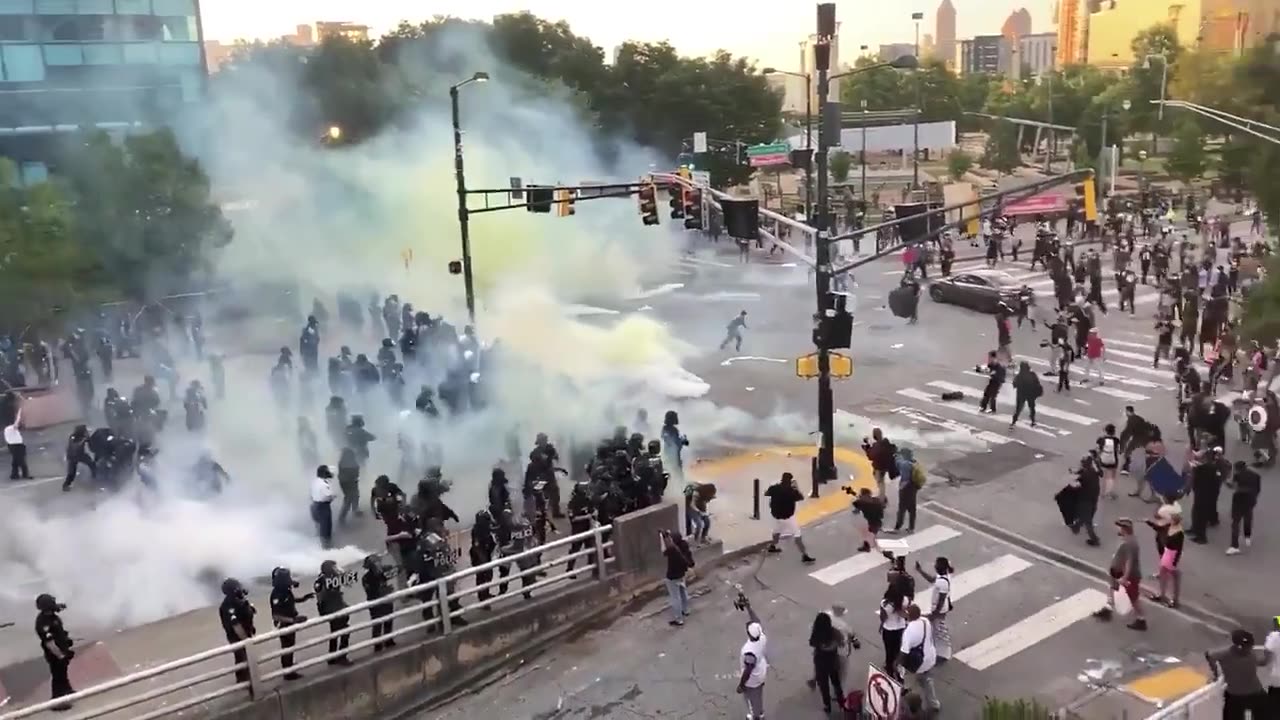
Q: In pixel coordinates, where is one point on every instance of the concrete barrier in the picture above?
(393, 683)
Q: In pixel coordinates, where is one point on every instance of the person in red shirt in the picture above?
(1094, 352)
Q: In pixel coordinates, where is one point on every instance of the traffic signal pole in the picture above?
(826, 467)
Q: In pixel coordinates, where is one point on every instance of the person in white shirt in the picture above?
(941, 580)
(1271, 677)
(919, 656)
(752, 662)
(18, 469)
(322, 505)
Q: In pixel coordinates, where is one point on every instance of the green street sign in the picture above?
(770, 149)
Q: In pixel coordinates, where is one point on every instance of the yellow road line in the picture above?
(832, 500)
(1169, 684)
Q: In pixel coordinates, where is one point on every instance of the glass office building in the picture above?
(110, 64)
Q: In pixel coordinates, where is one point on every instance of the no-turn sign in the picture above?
(882, 694)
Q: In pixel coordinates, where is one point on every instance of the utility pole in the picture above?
(864, 159)
(915, 156)
(826, 466)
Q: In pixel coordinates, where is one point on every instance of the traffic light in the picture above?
(693, 209)
(455, 267)
(648, 203)
(676, 201)
(741, 218)
(564, 203)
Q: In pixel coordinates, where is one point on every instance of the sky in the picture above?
(694, 27)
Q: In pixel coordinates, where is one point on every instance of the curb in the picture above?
(1193, 612)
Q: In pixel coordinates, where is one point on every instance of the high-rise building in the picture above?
(944, 31)
(985, 54)
(110, 64)
(1072, 21)
(1035, 54)
(1017, 25)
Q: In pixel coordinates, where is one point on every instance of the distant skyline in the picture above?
(697, 28)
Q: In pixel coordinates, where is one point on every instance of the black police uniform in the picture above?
(329, 600)
(483, 545)
(377, 585)
(435, 561)
(284, 612)
(49, 630)
(237, 612)
(581, 510)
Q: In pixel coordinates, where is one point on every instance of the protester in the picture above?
(1237, 667)
(783, 497)
(679, 562)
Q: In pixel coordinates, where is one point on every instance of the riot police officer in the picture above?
(328, 592)
(309, 345)
(435, 561)
(499, 494)
(56, 645)
(581, 510)
(377, 585)
(236, 614)
(483, 545)
(284, 612)
(516, 536)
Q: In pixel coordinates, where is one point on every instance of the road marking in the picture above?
(1154, 372)
(20, 485)
(1032, 630)
(700, 261)
(1125, 343)
(1109, 377)
(1122, 394)
(954, 425)
(967, 409)
(860, 563)
(1129, 354)
(1168, 684)
(664, 289)
(744, 358)
(1007, 394)
(971, 581)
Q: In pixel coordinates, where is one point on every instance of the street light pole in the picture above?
(822, 286)
(864, 159)
(915, 129)
(468, 277)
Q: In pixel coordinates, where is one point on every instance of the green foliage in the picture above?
(143, 211)
(958, 163)
(1187, 159)
(1001, 153)
(1261, 318)
(651, 94)
(41, 266)
(997, 709)
(1145, 75)
(839, 164)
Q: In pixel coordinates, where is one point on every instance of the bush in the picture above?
(997, 709)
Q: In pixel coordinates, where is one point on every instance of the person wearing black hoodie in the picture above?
(783, 497)
(1027, 389)
(995, 380)
(1089, 481)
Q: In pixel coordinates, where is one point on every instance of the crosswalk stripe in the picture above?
(971, 581)
(860, 563)
(954, 425)
(1129, 354)
(1007, 394)
(1113, 392)
(1109, 377)
(967, 409)
(1155, 372)
(1035, 629)
(1126, 343)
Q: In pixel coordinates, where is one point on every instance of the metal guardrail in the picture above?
(594, 544)
(1185, 706)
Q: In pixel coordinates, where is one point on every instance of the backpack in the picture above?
(915, 656)
(892, 452)
(918, 476)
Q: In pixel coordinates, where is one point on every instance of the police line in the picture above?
(594, 558)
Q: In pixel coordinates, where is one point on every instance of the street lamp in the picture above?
(335, 133)
(915, 126)
(808, 134)
(467, 276)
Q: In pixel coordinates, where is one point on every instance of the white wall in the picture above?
(936, 137)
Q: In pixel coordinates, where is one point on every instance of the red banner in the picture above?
(1045, 203)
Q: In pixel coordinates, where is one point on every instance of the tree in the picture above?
(958, 163)
(839, 164)
(882, 88)
(42, 267)
(1187, 159)
(144, 211)
(1145, 75)
(1001, 152)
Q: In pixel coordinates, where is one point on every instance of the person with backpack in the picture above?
(942, 605)
(918, 655)
(1109, 459)
(911, 478)
(881, 453)
(1027, 389)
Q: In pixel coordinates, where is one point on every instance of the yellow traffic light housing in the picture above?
(564, 203)
(1091, 198)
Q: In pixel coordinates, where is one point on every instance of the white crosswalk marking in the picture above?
(1007, 395)
(971, 581)
(967, 409)
(1113, 392)
(953, 425)
(860, 563)
(1129, 354)
(1163, 373)
(1109, 377)
(1032, 630)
